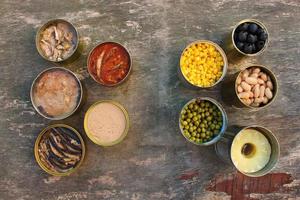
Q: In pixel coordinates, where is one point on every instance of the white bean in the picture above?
(262, 91)
(270, 85)
(244, 95)
(256, 91)
(266, 100)
(251, 80)
(268, 93)
(238, 80)
(240, 89)
(245, 86)
(256, 70)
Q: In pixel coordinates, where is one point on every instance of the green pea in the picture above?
(210, 110)
(202, 104)
(207, 114)
(191, 129)
(202, 125)
(187, 134)
(188, 120)
(190, 115)
(188, 111)
(194, 113)
(207, 104)
(212, 126)
(194, 134)
(203, 130)
(190, 106)
(197, 140)
(219, 113)
(193, 138)
(202, 135)
(200, 140)
(197, 123)
(183, 112)
(187, 127)
(203, 115)
(198, 135)
(209, 118)
(185, 123)
(218, 127)
(204, 121)
(195, 118)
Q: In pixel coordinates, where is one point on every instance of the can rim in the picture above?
(224, 118)
(125, 132)
(220, 50)
(38, 33)
(129, 70)
(63, 116)
(258, 23)
(37, 157)
(276, 156)
(269, 72)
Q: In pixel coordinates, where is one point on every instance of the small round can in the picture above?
(233, 45)
(223, 148)
(183, 78)
(89, 59)
(72, 55)
(38, 159)
(80, 90)
(229, 90)
(224, 119)
(92, 137)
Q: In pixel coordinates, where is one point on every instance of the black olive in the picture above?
(251, 38)
(240, 45)
(252, 28)
(242, 36)
(247, 48)
(263, 36)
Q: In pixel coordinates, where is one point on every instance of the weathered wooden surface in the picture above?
(154, 161)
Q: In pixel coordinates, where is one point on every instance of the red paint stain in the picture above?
(188, 175)
(240, 186)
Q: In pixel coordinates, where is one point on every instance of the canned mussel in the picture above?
(59, 150)
(202, 121)
(253, 87)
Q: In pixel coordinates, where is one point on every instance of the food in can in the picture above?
(106, 123)
(250, 37)
(254, 87)
(58, 40)
(201, 121)
(109, 63)
(250, 151)
(202, 64)
(56, 93)
(59, 149)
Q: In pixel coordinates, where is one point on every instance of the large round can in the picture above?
(223, 148)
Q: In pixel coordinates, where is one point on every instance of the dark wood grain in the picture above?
(154, 161)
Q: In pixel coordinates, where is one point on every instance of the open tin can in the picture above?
(52, 87)
(233, 44)
(111, 54)
(223, 148)
(95, 111)
(73, 43)
(223, 128)
(58, 151)
(224, 70)
(229, 88)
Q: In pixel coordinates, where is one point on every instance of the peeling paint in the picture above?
(240, 186)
